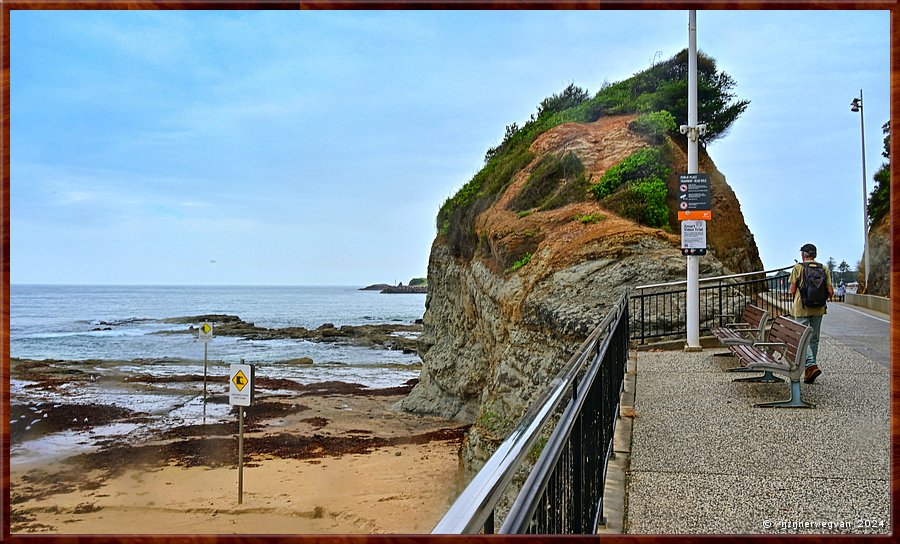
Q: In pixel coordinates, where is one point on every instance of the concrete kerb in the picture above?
(673, 345)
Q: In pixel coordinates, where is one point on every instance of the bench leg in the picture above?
(794, 402)
(767, 377)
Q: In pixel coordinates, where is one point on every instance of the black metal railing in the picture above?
(564, 491)
(659, 311)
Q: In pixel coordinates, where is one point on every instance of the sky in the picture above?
(316, 147)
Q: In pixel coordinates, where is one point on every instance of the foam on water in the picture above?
(122, 328)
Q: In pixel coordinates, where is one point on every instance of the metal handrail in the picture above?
(475, 505)
(520, 515)
(658, 310)
(683, 282)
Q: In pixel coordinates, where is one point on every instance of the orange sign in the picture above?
(703, 215)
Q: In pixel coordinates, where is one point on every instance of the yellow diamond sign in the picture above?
(239, 380)
(240, 384)
(205, 333)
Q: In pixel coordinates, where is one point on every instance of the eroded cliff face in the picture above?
(494, 337)
(879, 259)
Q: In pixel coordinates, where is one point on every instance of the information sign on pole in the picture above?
(240, 385)
(693, 192)
(205, 333)
(693, 237)
(240, 393)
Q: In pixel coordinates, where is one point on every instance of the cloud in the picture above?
(88, 198)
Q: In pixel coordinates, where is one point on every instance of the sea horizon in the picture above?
(131, 322)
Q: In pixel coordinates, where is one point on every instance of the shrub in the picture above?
(643, 201)
(636, 187)
(456, 218)
(521, 262)
(508, 135)
(590, 218)
(663, 86)
(570, 97)
(645, 163)
(654, 125)
(880, 197)
(652, 193)
(554, 181)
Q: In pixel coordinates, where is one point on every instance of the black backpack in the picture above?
(814, 287)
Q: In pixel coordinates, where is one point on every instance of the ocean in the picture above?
(122, 323)
(110, 341)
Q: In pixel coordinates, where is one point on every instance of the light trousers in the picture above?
(812, 349)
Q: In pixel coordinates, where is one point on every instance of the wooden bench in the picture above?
(783, 353)
(751, 328)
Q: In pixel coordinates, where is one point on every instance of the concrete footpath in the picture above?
(702, 459)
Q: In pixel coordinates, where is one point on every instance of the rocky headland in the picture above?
(415, 286)
(404, 289)
(376, 287)
(514, 288)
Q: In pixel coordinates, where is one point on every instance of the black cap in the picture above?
(809, 249)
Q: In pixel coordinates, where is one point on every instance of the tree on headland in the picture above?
(570, 97)
(664, 87)
(880, 199)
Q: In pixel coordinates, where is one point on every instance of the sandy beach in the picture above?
(328, 458)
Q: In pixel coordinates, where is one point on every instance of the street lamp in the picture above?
(857, 105)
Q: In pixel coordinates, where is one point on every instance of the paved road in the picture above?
(860, 329)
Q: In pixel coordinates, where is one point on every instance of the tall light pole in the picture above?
(693, 131)
(857, 105)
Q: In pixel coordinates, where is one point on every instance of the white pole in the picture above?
(241, 452)
(862, 129)
(693, 261)
(205, 358)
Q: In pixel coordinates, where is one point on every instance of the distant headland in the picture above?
(415, 285)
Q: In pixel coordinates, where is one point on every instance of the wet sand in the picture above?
(330, 458)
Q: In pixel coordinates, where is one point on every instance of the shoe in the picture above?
(811, 373)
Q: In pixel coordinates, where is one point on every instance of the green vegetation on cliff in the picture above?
(554, 181)
(880, 199)
(636, 187)
(660, 92)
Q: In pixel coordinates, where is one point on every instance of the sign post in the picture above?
(240, 394)
(205, 334)
(693, 130)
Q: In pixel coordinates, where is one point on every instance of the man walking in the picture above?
(811, 287)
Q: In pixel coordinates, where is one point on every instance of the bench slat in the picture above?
(751, 327)
(789, 339)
